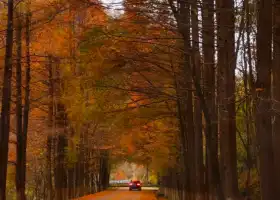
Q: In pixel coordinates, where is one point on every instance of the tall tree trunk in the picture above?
(86, 163)
(276, 91)
(180, 85)
(49, 168)
(190, 144)
(247, 111)
(248, 88)
(252, 89)
(210, 84)
(187, 98)
(20, 185)
(51, 127)
(181, 110)
(103, 170)
(26, 107)
(6, 102)
(263, 115)
(80, 173)
(60, 172)
(70, 175)
(198, 144)
(182, 19)
(226, 93)
(22, 138)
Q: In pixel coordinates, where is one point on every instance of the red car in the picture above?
(135, 185)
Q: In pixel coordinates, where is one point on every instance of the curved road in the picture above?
(123, 194)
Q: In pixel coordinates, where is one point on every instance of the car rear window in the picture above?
(136, 181)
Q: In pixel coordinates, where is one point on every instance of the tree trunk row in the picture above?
(71, 171)
(207, 117)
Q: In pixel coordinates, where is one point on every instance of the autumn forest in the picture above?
(189, 89)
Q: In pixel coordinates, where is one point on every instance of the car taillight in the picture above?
(130, 183)
(138, 184)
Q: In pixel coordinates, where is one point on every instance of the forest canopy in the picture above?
(187, 91)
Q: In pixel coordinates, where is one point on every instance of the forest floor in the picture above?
(123, 194)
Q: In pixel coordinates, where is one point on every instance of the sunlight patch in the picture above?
(114, 7)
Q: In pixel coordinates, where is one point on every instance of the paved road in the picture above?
(123, 194)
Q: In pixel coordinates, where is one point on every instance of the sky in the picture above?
(114, 7)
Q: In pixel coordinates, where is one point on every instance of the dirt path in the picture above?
(122, 194)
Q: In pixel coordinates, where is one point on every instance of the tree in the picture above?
(198, 144)
(160, 85)
(263, 115)
(276, 91)
(226, 95)
(209, 70)
(19, 168)
(6, 102)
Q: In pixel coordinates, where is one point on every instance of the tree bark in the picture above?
(187, 98)
(210, 85)
(6, 102)
(198, 142)
(60, 172)
(20, 173)
(226, 93)
(51, 126)
(276, 91)
(181, 16)
(263, 87)
(25, 109)
(49, 168)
